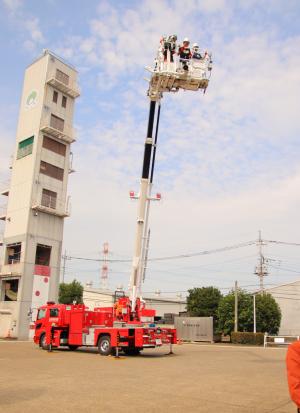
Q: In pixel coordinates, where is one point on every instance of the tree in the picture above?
(203, 302)
(226, 312)
(69, 292)
(268, 314)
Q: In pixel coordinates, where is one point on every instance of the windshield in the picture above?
(41, 313)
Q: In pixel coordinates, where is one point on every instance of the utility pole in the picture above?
(64, 257)
(261, 269)
(254, 313)
(236, 307)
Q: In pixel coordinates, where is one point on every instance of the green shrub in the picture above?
(247, 338)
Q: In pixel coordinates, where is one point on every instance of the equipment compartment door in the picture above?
(76, 326)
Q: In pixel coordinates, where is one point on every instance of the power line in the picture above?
(283, 243)
(172, 257)
(190, 255)
(284, 269)
(207, 252)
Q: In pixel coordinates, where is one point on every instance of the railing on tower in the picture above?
(44, 270)
(53, 205)
(56, 126)
(63, 82)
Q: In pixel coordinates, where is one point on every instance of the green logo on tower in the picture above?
(31, 99)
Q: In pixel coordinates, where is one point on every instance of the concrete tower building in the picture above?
(37, 194)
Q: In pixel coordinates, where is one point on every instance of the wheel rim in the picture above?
(43, 342)
(104, 345)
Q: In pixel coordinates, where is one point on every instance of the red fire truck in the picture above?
(109, 328)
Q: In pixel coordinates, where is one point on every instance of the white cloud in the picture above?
(26, 23)
(33, 27)
(210, 6)
(13, 5)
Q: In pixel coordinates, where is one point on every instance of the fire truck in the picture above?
(128, 325)
(109, 328)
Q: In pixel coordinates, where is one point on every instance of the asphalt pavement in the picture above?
(197, 378)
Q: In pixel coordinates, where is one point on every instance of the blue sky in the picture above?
(228, 162)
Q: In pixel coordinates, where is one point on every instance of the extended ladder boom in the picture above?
(168, 75)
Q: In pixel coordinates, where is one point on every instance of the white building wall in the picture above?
(288, 298)
(164, 305)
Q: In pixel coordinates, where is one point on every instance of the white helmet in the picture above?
(186, 40)
(195, 46)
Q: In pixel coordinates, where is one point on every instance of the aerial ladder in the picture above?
(169, 74)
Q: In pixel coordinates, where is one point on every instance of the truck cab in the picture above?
(50, 315)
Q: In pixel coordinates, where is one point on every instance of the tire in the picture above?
(104, 346)
(42, 342)
(73, 347)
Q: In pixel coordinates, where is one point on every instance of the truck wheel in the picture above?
(73, 347)
(42, 342)
(104, 346)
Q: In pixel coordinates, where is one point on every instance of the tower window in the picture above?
(55, 96)
(54, 146)
(42, 255)
(13, 253)
(10, 290)
(57, 123)
(64, 102)
(49, 198)
(62, 77)
(25, 147)
(51, 170)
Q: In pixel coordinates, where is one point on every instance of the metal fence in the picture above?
(278, 341)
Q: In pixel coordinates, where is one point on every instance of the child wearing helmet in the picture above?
(169, 44)
(196, 52)
(184, 52)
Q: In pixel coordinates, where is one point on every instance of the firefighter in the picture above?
(195, 52)
(184, 52)
(169, 43)
(293, 372)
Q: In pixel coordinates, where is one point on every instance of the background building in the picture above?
(93, 297)
(37, 194)
(288, 298)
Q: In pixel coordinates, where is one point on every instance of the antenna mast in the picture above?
(261, 269)
(104, 270)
